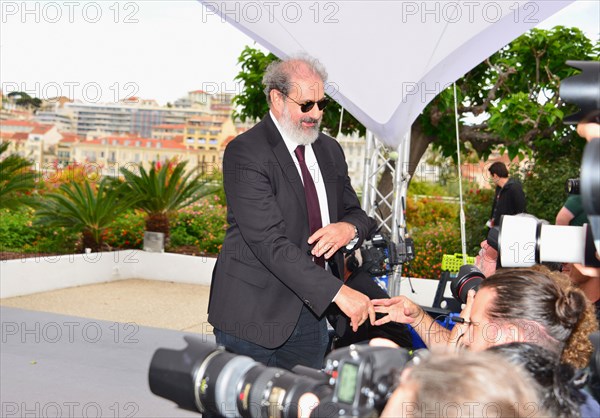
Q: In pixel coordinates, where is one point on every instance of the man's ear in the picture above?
(276, 101)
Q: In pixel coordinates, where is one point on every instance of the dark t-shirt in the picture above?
(575, 205)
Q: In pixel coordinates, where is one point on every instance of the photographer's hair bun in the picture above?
(570, 305)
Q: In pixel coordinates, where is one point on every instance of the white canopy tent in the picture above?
(386, 61)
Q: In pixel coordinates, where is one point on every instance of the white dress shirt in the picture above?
(313, 168)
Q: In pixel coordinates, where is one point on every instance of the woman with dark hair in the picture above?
(557, 383)
(517, 305)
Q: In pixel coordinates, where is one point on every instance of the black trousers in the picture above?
(306, 346)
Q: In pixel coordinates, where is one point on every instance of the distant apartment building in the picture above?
(31, 140)
(124, 118)
(133, 131)
(62, 120)
(168, 131)
(111, 153)
(209, 134)
(64, 150)
(221, 104)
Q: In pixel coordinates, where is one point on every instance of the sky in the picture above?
(105, 51)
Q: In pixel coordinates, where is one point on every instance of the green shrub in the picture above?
(202, 226)
(127, 231)
(56, 240)
(426, 188)
(432, 241)
(544, 186)
(429, 210)
(18, 234)
(16, 229)
(435, 225)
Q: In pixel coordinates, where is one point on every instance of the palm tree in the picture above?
(17, 180)
(161, 191)
(84, 208)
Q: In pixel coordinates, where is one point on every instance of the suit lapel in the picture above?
(327, 168)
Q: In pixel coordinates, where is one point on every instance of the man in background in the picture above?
(509, 198)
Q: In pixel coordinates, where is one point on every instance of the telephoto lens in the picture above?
(356, 382)
(205, 378)
(469, 277)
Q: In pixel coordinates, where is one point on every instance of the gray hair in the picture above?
(279, 73)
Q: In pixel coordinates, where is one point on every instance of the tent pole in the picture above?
(401, 179)
(367, 198)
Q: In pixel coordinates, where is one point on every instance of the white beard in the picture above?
(297, 133)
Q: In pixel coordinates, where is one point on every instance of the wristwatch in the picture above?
(354, 241)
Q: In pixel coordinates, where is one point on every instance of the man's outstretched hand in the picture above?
(356, 306)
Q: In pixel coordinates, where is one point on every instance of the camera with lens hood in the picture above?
(468, 277)
(356, 381)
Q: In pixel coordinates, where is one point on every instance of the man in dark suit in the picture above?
(290, 208)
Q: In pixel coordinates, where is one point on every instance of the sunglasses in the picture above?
(307, 106)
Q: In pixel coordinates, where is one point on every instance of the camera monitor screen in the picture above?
(347, 383)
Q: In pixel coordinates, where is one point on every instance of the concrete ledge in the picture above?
(42, 274)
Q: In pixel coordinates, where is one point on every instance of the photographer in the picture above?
(512, 305)
(459, 385)
(558, 384)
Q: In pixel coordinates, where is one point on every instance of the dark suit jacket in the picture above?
(264, 274)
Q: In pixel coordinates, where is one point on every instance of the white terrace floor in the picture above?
(177, 306)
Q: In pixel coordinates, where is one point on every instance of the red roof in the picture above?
(69, 137)
(20, 136)
(6, 135)
(198, 92)
(18, 122)
(41, 129)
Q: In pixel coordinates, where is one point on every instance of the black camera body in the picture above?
(383, 254)
(356, 381)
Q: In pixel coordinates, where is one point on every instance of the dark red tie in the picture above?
(312, 199)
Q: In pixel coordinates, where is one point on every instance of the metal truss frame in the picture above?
(379, 157)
